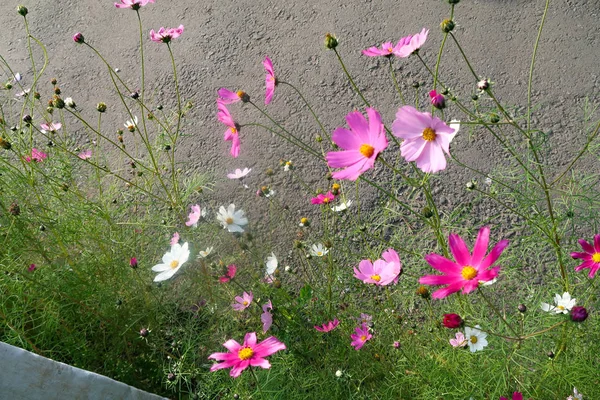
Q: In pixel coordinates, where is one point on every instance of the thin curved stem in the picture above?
(356, 89)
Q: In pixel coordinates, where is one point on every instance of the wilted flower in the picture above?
(476, 338)
(564, 304)
(229, 275)
(327, 327)
(171, 262)
(242, 302)
(251, 353)
(360, 337)
(231, 219)
(266, 317)
(165, 35)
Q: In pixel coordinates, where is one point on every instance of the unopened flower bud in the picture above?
(8, 86)
(447, 25)
(423, 292)
(144, 332)
(416, 85)
(270, 172)
(328, 244)
(189, 104)
(437, 100)
(134, 95)
(22, 10)
(37, 95)
(452, 321)
(330, 41)
(53, 81)
(133, 263)
(5, 144)
(471, 185)
(49, 109)
(522, 308)
(319, 139)
(171, 377)
(298, 244)
(64, 187)
(578, 314)
(70, 103)
(427, 213)
(101, 107)
(27, 118)
(58, 102)
(550, 354)
(494, 118)
(78, 38)
(57, 90)
(453, 1)
(396, 344)
(475, 97)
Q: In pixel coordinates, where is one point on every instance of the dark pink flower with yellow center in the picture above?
(226, 96)
(361, 145)
(248, 354)
(590, 256)
(270, 80)
(360, 337)
(323, 198)
(232, 134)
(426, 138)
(468, 271)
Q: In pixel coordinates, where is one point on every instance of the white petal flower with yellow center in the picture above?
(475, 338)
(171, 262)
(232, 220)
(342, 206)
(205, 253)
(131, 124)
(563, 303)
(318, 250)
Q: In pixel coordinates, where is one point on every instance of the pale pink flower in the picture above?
(232, 132)
(241, 356)
(36, 155)
(242, 302)
(459, 340)
(194, 216)
(266, 317)
(360, 337)
(175, 239)
(231, 270)
(226, 96)
(381, 272)
(133, 4)
(361, 145)
(412, 43)
(468, 271)
(52, 127)
(84, 155)
(164, 35)
(323, 198)
(426, 138)
(590, 256)
(239, 173)
(270, 80)
(328, 327)
(387, 49)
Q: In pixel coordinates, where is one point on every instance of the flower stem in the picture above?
(356, 89)
(493, 307)
(396, 82)
(309, 107)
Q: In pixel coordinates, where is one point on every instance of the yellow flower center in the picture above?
(376, 278)
(240, 93)
(233, 130)
(245, 303)
(429, 134)
(245, 353)
(366, 150)
(335, 186)
(363, 338)
(319, 253)
(326, 200)
(174, 264)
(229, 220)
(596, 257)
(304, 221)
(473, 339)
(468, 272)
(560, 307)
(390, 49)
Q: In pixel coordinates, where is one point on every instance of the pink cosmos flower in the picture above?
(175, 239)
(165, 35)
(328, 327)
(426, 138)
(133, 4)
(469, 270)
(226, 96)
(266, 317)
(437, 100)
(243, 301)
(381, 272)
(323, 198)
(360, 337)
(232, 132)
(361, 145)
(590, 256)
(52, 127)
(231, 270)
(250, 353)
(133, 262)
(32, 268)
(270, 80)
(459, 341)
(515, 396)
(194, 216)
(84, 155)
(412, 43)
(36, 155)
(387, 49)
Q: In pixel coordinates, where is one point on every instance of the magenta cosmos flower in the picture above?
(36, 155)
(323, 198)
(227, 96)
(426, 138)
(241, 356)
(468, 270)
(327, 327)
(361, 145)
(164, 35)
(270, 80)
(387, 49)
(515, 396)
(412, 43)
(242, 302)
(360, 337)
(133, 4)
(232, 133)
(381, 272)
(229, 275)
(590, 256)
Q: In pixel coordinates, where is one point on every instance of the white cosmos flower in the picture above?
(131, 124)
(576, 395)
(171, 262)
(475, 338)
(239, 173)
(232, 220)
(318, 250)
(342, 206)
(205, 253)
(271, 264)
(563, 303)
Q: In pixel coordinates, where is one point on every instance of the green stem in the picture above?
(493, 307)
(531, 67)
(173, 169)
(396, 82)
(309, 107)
(356, 89)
